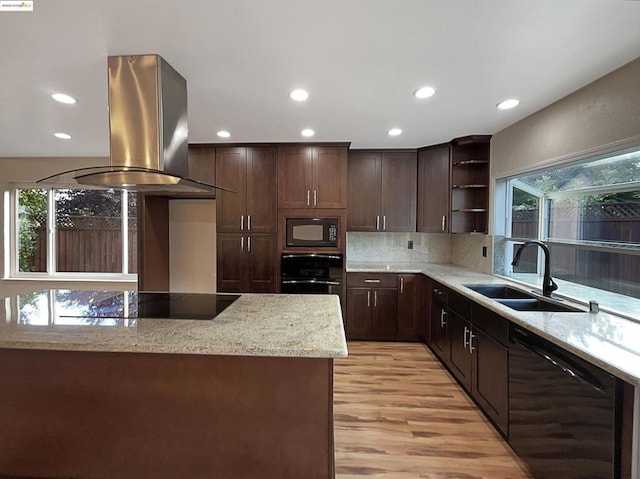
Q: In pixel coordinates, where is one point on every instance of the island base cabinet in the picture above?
(132, 415)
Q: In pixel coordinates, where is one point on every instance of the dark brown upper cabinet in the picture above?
(470, 184)
(434, 189)
(251, 173)
(382, 190)
(312, 177)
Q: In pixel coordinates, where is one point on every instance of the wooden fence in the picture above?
(95, 247)
(611, 271)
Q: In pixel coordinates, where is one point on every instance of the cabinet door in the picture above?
(231, 172)
(329, 177)
(439, 319)
(295, 177)
(460, 356)
(409, 298)
(262, 200)
(358, 313)
(231, 263)
(261, 253)
(384, 313)
(433, 189)
(490, 378)
(398, 197)
(363, 191)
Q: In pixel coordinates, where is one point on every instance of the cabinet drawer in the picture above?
(459, 304)
(492, 324)
(372, 280)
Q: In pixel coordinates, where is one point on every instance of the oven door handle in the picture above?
(312, 255)
(570, 370)
(311, 281)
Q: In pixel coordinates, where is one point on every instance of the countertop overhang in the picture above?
(275, 325)
(606, 340)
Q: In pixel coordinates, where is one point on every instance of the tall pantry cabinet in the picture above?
(246, 219)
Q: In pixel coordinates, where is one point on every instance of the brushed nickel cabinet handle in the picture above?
(242, 223)
(384, 222)
(377, 223)
(401, 285)
(375, 299)
(315, 197)
(249, 223)
(465, 342)
(242, 244)
(368, 299)
(371, 280)
(443, 315)
(249, 244)
(444, 223)
(308, 198)
(471, 336)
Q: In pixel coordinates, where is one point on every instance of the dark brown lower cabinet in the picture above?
(411, 293)
(460, 354)
(385, 306)
(473, 343)
(438, 322)
(246, 263)
(371, 313)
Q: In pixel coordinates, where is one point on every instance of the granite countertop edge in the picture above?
(256, 325)
(612, 348)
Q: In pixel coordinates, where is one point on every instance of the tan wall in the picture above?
(192, 246)
(601, 114)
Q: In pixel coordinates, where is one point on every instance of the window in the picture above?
(67, 232)
(588, 212)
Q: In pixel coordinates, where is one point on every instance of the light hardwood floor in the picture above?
(399, 414)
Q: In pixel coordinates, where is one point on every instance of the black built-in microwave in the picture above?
(312, 232)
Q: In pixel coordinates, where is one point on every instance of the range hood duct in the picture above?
(148, 132)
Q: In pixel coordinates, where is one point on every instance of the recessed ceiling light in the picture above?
(507, 104)
(223, 134)
(63, 98)
(424, 92)
(395, 131)
(62, 136)
(299, 95)
(307, 132)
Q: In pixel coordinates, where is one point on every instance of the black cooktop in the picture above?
(182, 305)
(145, 305)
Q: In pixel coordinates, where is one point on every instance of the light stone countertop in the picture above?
(606, 340)
(283, 325)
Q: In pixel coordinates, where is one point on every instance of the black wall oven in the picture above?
(311, 232)
(312, 273)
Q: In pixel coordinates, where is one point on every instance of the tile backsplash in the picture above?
(392, 247)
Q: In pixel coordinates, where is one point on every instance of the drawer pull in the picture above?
(371, 280)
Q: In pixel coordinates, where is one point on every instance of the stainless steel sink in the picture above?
(518, 299)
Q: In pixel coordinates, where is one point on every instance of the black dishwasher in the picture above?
(564, 413)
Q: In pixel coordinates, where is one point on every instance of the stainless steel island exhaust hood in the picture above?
(148, 132)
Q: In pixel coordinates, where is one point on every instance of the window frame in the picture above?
(52, 274)
(504, 191)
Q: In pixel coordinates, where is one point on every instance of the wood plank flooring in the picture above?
(399, 414)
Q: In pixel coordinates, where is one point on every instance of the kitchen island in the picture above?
(93, 388)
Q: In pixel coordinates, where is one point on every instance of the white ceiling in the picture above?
(359, 59)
